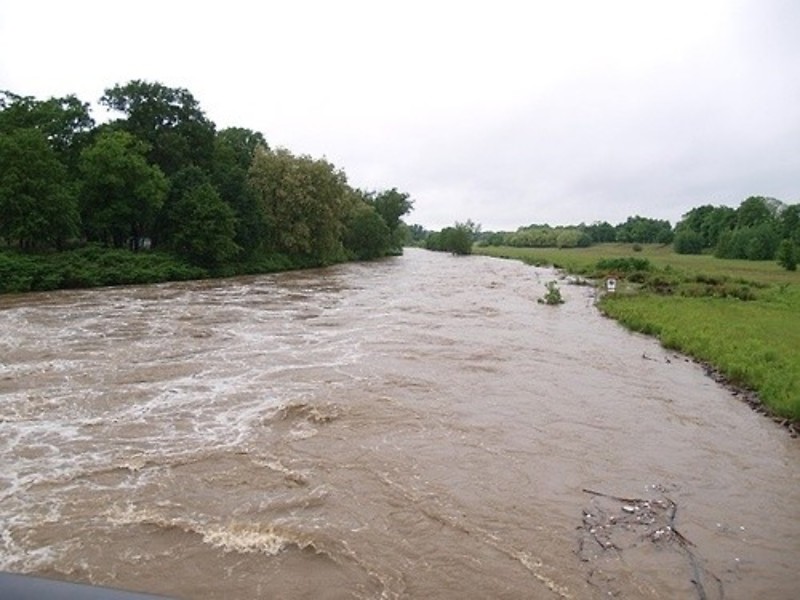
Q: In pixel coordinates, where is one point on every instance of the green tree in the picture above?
(756, 231)
(366, 235)
(643, 230)
(37, 202)
(304, 202)
(168, 119)
(790, 223)
(572, 237)
(234, 149)
(457, 239)
(122, 192)
(600, 232)
(169, 222)
(65, 122)
(753, 211)
(417, 234)
(722, 219)
(787, 255)
(207, 227)
(694, 226)
(391, 205)
(688, 241)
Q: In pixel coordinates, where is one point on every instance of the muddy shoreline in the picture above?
(749, 397)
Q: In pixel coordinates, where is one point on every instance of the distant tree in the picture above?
(457, 239)
(207, 227)
(693, 229)
(571, 237)
(752, 243)
(391, 205)
(716, 223)
(600, 232)
(707, 221)
(688, 241)
(788, 255)
(417, 234)
(37, 202)
(790, 223)
(763, 241)
(168, 119)
(754, 211)
(643, 230)
(366, 235)
(492, 238)
(122, 193)
(755, 232)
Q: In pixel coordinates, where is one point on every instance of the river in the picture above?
(416, 427)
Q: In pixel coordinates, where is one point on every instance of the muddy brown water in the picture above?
(417, 427)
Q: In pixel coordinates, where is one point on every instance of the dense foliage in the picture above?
(760, 229)
(458, 239)
(161, 177)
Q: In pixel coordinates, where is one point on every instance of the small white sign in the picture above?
(611, 285)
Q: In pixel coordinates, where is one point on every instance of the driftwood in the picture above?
(619, 525)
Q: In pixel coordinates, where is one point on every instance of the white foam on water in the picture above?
(238, 537)
(245, 539)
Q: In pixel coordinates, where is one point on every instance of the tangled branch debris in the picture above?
(619, 535)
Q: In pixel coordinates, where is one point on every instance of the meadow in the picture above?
(740, 317)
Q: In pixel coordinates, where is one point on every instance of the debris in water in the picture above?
(615, 527)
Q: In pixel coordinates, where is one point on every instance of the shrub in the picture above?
(624, 265)
(688, 242)
(553, 294)
(787, 255)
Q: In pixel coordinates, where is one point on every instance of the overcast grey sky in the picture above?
(503, 112)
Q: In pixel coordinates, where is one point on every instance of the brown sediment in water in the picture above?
(416, 427)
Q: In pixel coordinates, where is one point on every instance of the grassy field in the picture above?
(694, 304)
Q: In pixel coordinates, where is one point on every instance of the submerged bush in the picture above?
(553, 294)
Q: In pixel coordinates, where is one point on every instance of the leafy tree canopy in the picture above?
(64, 122)
(304, 202)
(37, 203)
(206, 235)
(122, 192)
(756, 210)
(169, 119)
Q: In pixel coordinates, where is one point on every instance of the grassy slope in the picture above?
(755, 344)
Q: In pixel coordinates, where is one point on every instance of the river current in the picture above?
(416, 427)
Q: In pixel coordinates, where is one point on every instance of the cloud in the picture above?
(503, 112)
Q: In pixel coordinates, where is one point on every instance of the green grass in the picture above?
(742, 317)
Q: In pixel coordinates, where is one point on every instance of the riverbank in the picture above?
(94, 266)
(740, 318)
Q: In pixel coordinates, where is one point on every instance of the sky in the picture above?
(507, 113)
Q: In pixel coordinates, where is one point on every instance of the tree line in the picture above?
(160, 175)
(761, 228)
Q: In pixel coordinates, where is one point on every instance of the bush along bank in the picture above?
(95, 266)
